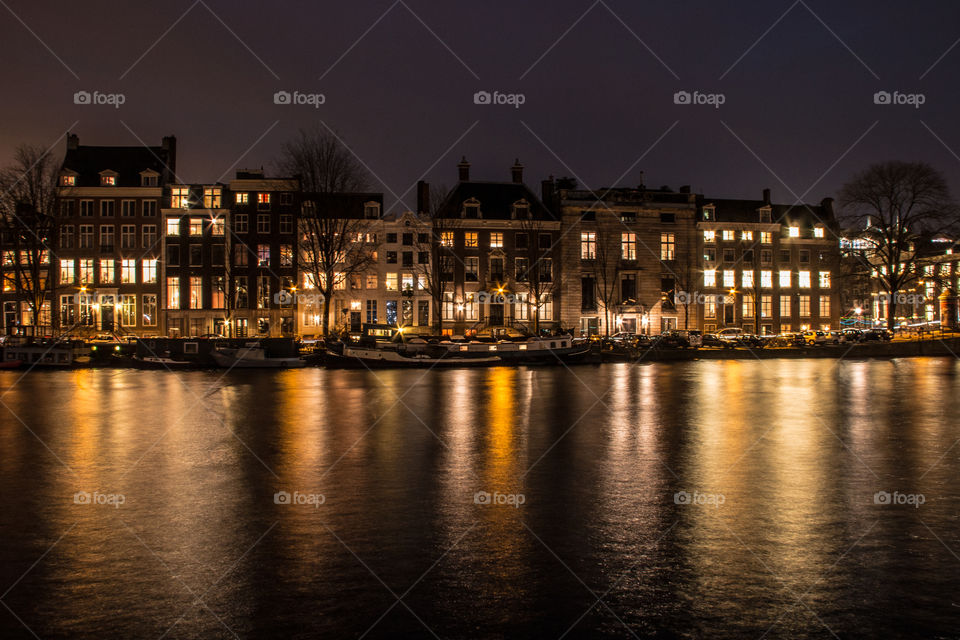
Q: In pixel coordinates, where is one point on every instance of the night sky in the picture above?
(599, 100)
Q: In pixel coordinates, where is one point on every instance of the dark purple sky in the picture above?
(595, 103)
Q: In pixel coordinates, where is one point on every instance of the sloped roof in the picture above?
(496, 200)
(128, 162)
(746, 211)
(343, 205)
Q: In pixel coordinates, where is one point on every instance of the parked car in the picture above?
(730, 333)
(876, 335)
(711, 340)
(852, 335)
(693, 337)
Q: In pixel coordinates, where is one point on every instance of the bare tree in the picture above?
(336, 242)
(538, 279)
(606, 273)
(29, 199)
(436, 275)
(894, 204)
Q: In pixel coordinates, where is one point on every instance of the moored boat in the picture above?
(252, 356)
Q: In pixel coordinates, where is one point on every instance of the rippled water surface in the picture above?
(702, 499)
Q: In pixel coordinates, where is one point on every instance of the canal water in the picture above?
(778, 499)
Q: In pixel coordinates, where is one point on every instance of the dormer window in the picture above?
(108, 178)
(211, 197)
(818, 232)
(371, 210)
(149, 178)
(68, 181)
(521, 210)
(766, 214)
(471, 209)
(710, 212)
(794, 232)
(179, 197)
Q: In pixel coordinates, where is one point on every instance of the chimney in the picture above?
(423, 197)
(548, 192)
(73, 141)
(766, 196)
(685, 188)
(464, 168)
(516, 172)
(169, 144)
(642, 186)
(827, 205)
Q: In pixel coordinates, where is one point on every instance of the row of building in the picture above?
(134, 250)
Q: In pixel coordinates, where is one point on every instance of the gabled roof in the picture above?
(496, 200)
(343, 205)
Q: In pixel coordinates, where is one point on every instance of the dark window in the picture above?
(520, 241)
(496, 269)
(628, 216)
(546, 240)
(423, 257)
(588, 216)
(408, 239)
(216, 254)
(173, 255)
(423, 238)
(408, 258)
(588, 294)
(668, 217)
(391, 238)
(196, 255)
(804, 256)
(709, 254)
(748, 255)
(728, 255)
(628, 288)
(391, 256)
(784, 255)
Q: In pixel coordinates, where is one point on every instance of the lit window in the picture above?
(149, 274)
(794, 232)
(196, 226)
(766, 279)
(263, 255)
(747, 306)
(729, 278)
(818, 232)
(179, 197)
(108, 181)
(710, 278)
(263, 201)
(588, 245)
(173, 292)
(785, 307)
(211, 197)
(217, 226)
(196, 292)
(668, 247)
(68, 181)
(746, 235)
(824, 279)
(107, 271)
(803, 279)
(628, 246)
(391, 282)
(496, 240)
(766, 237)
(241, 198)
(728, 234)
(766, 306)
(784, 278)
(747, 278)
(803, 304)
(470, 239)
(709, 236)
(446, 238)
(173, 226)
(67, 272)
(128, 271)
(824, 306)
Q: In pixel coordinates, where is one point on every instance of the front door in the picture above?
(355, 321)
(496, 315)
(423, 313)
(106, 313)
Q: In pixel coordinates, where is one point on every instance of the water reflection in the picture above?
(202, 548)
